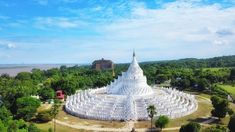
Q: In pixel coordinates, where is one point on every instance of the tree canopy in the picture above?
(27, 107)
(220, 107)
(190, 127)
(162, 121)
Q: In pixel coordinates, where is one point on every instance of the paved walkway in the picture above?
(129, 125)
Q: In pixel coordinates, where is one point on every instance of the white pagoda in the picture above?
(133, 82)
(127, 98)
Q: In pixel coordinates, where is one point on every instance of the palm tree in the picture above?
(151, 112)
(55, 111)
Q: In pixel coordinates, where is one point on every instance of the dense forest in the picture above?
(189, 74)
(224, 61)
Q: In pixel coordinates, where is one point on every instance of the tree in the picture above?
(53, 72)
(23, 76)
(151, 112)
(46, 93)
(216, 128)
(67, 85)
(3, 128)
(33, 128)
(37, 75)
(55, 111)
(4, 114)
(162, 121)
(44, 116)
(161, 78)
(27, 107)
(220, 107)
(190, 127)
(5, 75)
(231, 123)
(185, 83)
(232, 74)
(17, 125)
(202, 84)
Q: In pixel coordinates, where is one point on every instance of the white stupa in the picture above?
(133, 82)
(127, 98)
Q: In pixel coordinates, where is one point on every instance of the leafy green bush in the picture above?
(33, 128)
(44, 116)
(216, 128)
(190, 127)
(162, 121)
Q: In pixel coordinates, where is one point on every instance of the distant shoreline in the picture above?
(14, 69)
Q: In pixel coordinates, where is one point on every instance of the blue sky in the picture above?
(79, 31)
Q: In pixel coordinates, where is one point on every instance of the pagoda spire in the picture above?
(133, 53)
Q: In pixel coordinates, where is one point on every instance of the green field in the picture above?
(229, 88)
(212, 69)
(216, 68)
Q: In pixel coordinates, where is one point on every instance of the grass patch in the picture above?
(44, 107)
(232, 106)
(228, 88)
(201, 93)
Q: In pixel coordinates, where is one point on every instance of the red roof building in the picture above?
(60, 95)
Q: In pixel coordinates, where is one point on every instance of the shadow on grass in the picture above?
(201, 120)
(35, 120)
(198, 120)
(153, 130)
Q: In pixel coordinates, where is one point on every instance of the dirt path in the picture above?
(92, 128)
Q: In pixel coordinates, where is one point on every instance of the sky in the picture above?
(80, 31)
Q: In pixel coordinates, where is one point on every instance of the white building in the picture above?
(128, 97)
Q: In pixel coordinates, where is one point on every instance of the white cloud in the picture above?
(7, 44)
(11, 46)
(176, 30)
(178, 22)
(220, 42)
(59, 22)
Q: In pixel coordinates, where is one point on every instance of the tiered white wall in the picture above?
(95, 104)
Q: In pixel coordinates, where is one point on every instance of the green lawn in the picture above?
(229, 88)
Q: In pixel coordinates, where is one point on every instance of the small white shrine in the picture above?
(127, 98)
